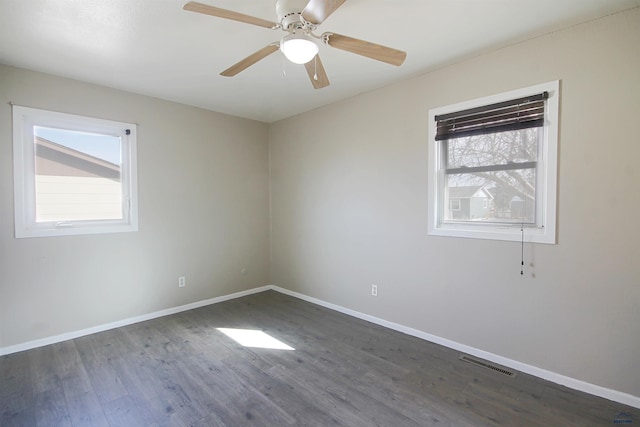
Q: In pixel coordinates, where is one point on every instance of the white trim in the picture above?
(614, 395)
(129, 321)
(569, 382)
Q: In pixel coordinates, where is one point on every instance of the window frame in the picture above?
(24, 121)
(544, 231)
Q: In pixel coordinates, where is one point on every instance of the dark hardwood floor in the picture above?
(181, 370)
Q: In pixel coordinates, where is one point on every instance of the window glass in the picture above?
(493, 149)
(77, 175)
(495, 174)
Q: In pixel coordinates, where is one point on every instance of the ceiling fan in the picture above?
(299, 19)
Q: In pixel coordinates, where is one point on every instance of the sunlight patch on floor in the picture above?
(254, 338)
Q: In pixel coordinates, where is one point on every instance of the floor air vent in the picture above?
(488, 365)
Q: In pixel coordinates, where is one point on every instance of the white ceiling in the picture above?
(153, 47)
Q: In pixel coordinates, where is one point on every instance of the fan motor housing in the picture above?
(289, 12)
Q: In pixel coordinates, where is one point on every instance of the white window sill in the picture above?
(511, 232)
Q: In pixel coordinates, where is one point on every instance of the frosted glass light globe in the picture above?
(298, 48)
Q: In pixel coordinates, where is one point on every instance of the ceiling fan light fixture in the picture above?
(298, 48)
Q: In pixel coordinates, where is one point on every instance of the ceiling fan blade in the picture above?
(316, 73)
(364, 48)
(193, 6)
(250, 60)
(317, 11)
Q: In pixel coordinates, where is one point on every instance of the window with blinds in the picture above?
(491, 165)
(515, 114)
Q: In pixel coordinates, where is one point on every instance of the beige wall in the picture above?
(349, 209)
(203, 213)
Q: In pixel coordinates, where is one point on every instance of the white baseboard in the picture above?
(129, 321)
(616, 396)
(569, 382)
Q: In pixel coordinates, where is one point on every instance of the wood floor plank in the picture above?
(99, 364)
(151, 386)
(14, 375)
(123, 411)
(239, 399)
(283, 393)
(44, 375)
(337, 396)
(16, 410)
(15, 390)
(50, 409)
(82, 402)
(181, 370)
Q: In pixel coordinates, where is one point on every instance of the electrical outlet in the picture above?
(374, 290)
(182, 282)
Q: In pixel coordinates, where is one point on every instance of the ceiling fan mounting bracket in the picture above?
(289, 13)
(301, 26)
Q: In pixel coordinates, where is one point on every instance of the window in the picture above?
(493, 163)
(72, 174)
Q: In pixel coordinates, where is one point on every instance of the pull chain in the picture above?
(315, 68)
(522, 251)
(284, 67)
(523, 213)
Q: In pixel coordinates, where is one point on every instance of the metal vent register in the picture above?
(488, 365)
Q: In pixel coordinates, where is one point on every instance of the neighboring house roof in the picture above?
(469, 191)
(58, 160)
